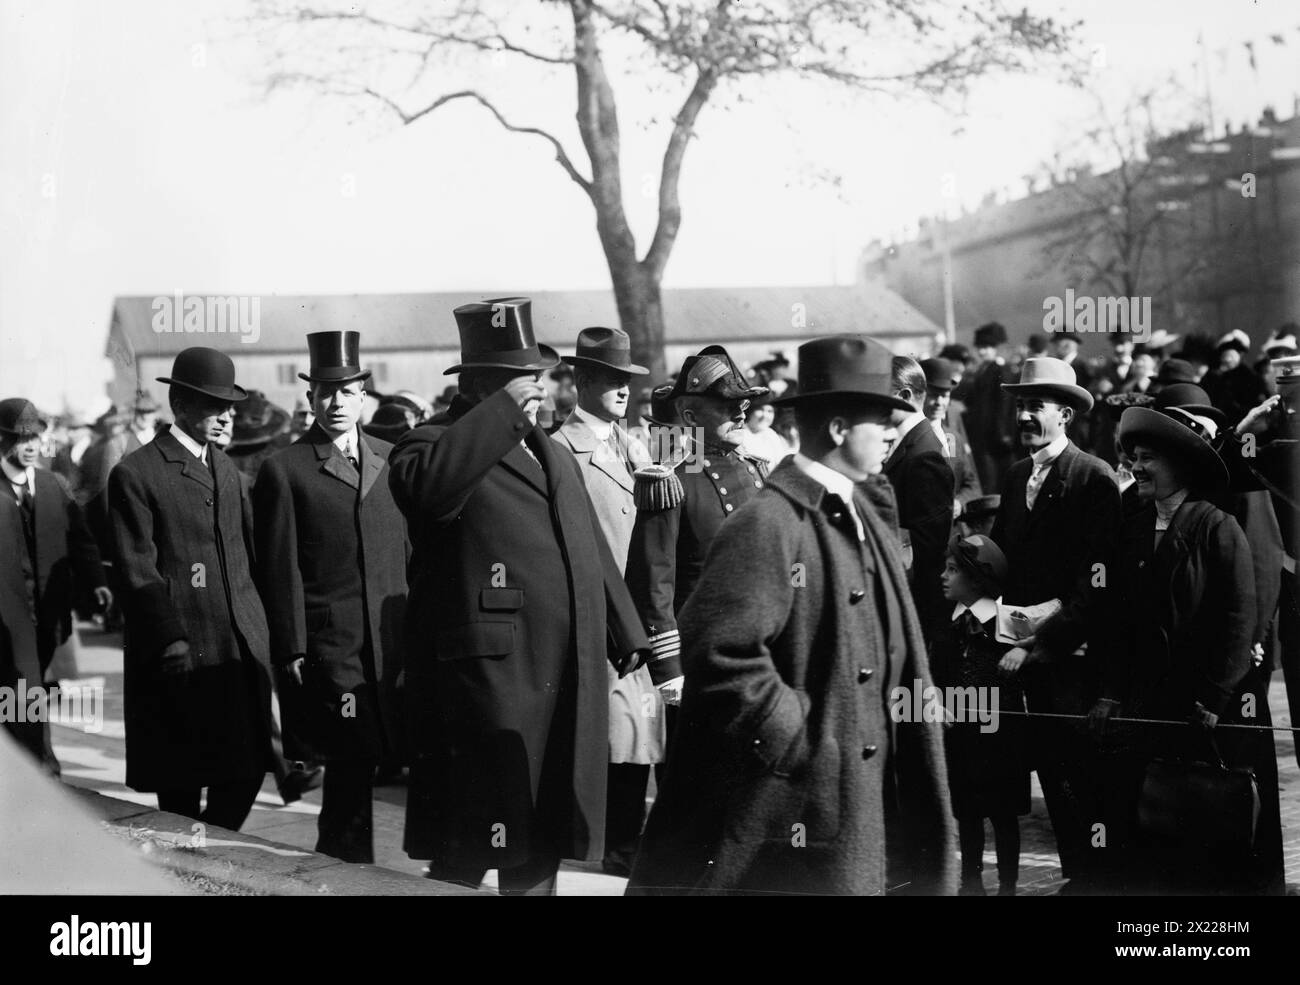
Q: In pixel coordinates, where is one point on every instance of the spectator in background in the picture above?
(759, 439)
(990, 423)
(1234, 387)
(260, 430)
(978, 514)
(302, 417)
(941, 378)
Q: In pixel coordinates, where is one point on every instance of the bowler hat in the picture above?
(982, 559)
(335, 358)
(940, 374)
(1044, 376)
(257, 421)
(498, 334)
(1178, 432)
(1191, 398)
(991, 334)
(20, 419)
(205, 371)
(608, 347)
(848, 367)
(713, 372)
(980, 507)
(1176, 371)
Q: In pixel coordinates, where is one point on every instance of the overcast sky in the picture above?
(136, 158)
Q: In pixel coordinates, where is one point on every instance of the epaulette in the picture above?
(657, 488)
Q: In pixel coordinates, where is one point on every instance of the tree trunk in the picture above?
(640, 313)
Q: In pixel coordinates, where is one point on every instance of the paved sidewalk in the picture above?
(96, 762)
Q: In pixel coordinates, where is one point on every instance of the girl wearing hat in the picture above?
(988, 775)
(1183, 625)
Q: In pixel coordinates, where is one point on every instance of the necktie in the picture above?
(1035, 482)
(617, 450)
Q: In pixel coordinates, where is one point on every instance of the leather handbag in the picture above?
(1197, 808)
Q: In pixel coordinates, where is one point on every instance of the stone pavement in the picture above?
(96, 762)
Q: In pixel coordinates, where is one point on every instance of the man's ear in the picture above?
(1067, 414)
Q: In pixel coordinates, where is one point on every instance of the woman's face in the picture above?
(1155, 473)
(958, 586)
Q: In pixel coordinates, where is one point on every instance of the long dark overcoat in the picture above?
(18, 657)
(515, 600)
(66, 556)
(923, 484)
(332, 553)
(183, 545)
(787, 772)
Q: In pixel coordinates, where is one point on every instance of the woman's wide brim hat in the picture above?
(257, 421)
(609, 348)
(852, 369)
(1191, 398)
(206, 371)
(1179, 433)
(1045, 376)
(498, 334)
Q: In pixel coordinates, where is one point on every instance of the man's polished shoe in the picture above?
(301, 779)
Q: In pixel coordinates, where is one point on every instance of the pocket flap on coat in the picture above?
(501, 599)
(475, 639)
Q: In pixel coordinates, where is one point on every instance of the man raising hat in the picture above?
(197, 672)
(516, 604)
(332, 552)
(1059, 518)
(786, 773)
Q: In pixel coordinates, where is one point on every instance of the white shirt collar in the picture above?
(145, 435)
(909, 422)
(190, 445)
(984, 609)
(347, 441)
(19, 477)
(1048, 455)
(598, 427)
(834, 482)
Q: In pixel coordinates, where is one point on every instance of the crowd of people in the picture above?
(527, 598)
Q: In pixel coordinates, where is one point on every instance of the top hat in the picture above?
(607, 347)
(1176, 371)
(205, 371)
(1236, 339)
(1047, 377)
(20, 419)
(1191, 398)
(498, 334)
(1175, 430)
(257, 421)
(712, 372)
(335, 358)
(940, 374)
(849, 367)
(982, 559)
(980, 506)
(990, 335)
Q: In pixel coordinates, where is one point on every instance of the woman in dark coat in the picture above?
(1183, 625)
(988, 772)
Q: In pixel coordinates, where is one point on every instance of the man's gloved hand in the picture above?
(672, 690)
(176, 658)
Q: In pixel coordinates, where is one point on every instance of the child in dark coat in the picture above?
(988, 774)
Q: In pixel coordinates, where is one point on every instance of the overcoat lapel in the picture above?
(371, 466)
(583, 442)
(173, 451)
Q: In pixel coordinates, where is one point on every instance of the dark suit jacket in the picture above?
(18, 657)
(1053, 551)
(513, 593)
(923, 485)
(332, 553)
(183, 550)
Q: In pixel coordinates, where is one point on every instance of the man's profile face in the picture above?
(337, 406)
(604, 393)
(986, 353)
(1040, 421)
(206, 419)
(721, 421)
(867, 436)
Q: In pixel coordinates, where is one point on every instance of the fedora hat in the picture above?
(982, 559)
(498, 334)
(991, 334)
(940, 374)
(257, 421)
(20, 419)
(846, 367)
(1176, 371)
(205, 371)
(980, 507)
(1179, 432)
(712, 372)
(388, 423)
(335, 358)
(607, 347)
(1047, 377)
(1191, 398)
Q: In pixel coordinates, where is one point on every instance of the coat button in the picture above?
(757, 743)
(856, 596)
(868, 752)
(864, 674)
(751, 469)
(730, 507)
(715, 475)
(723, 490)
(758, 484)
(207, 502)
(706, 463)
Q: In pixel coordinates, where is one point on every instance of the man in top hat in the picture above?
(787, 772)
(989, 420)
(942, 377)
(58, 557)
(603, 371)
(332, 553)
(516, 604)
(197, 671)
(1059, 518)
(682, 508)
(918, 469)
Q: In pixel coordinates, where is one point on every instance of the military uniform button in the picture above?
(706, 464)
(856, 596)
(864, 674)
(868, 751)
(757, 743)
(751, 469)
(730, 507)
(758, 483)
(715, 475)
